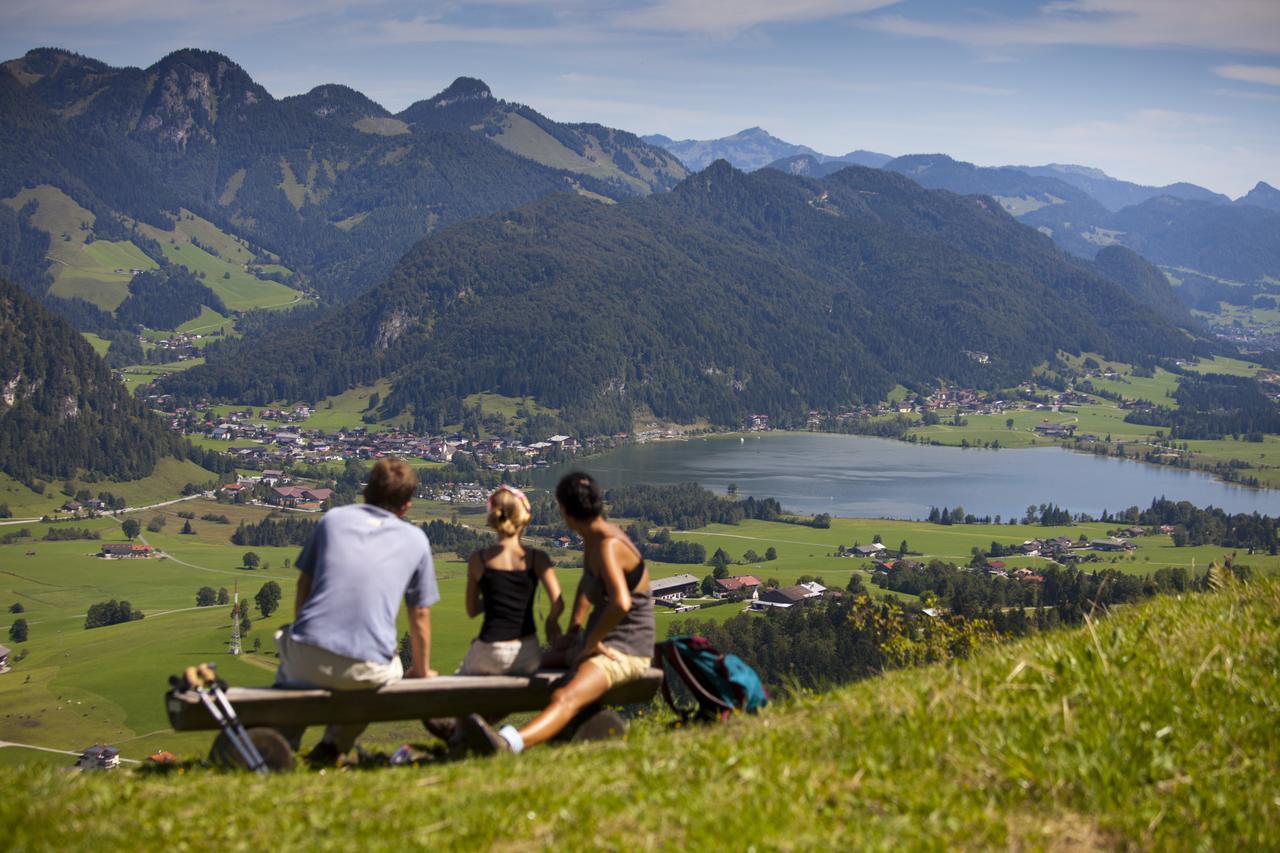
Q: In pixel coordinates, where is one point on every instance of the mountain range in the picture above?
(1179, 225)
(1238, 242)
(732, 293)
(328, 180)
(753, 148)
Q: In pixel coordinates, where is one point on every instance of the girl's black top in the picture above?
(507, 596)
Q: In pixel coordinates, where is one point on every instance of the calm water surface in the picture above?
(858, 476)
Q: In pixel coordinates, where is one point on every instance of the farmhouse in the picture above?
(785, 597)
(866, 550)
(299, 496)
(122, 550)
(741, 583)
(4, 659)
(673, 588)
(99, 758)
(1052, 430)
(1111, 545)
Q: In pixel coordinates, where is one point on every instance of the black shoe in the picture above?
(479, 737)
(444, 728)
(324, 754)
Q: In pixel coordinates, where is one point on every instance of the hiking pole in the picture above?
(204, 682)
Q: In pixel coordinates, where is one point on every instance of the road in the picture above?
(127, 509)
(4, 743)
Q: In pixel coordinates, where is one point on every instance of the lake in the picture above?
(859, 476)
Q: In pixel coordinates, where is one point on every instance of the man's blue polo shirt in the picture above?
(363, 560)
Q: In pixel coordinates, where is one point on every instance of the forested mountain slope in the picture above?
(328, 180)
(733, 293)
(62, 412)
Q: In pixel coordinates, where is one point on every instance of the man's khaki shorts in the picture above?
(622, 669)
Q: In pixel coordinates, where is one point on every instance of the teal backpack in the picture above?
(719, 684)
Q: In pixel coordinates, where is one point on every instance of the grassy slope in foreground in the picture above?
(1152, 728)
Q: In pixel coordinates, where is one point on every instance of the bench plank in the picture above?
(410, 699)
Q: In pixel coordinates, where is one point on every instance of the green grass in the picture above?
(224, 270)
(1158, 389)
(99, 345)
(206, 323)
(144, 374)
(116, 674)
(17, 756)
(1150, 728)
(1224, 365)
(238, 289)
(164, 483)
(81, 270)
(347, 409)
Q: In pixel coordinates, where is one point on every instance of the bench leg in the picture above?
(593, 723)
(272, 746)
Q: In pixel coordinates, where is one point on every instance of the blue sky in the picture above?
(1148, 90)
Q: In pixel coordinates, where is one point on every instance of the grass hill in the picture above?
(733, 293)
(614, 156)
(1147, 728)
(329, 181)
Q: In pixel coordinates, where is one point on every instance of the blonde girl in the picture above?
(502, 581)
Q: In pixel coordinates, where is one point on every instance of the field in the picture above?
(1224, 365)
(99, 345)
(144, 374)
(223, 265)
(1152, 727)
(1106, 420)
(238, 289)
(97, 272)
(347, 409)
(105, 684)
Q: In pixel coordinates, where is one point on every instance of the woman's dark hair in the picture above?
(580, 496)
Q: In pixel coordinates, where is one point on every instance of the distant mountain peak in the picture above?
(462, 90)
(1262, 195)
(1072, 169)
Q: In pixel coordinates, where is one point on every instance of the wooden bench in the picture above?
(262, 709)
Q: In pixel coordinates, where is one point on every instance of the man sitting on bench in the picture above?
(357, 565)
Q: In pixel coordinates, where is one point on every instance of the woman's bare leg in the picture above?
(588, 684)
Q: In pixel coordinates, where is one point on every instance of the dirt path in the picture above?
(9, 743)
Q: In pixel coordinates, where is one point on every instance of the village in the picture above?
(277, 441)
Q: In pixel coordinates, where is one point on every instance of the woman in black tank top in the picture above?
(502, 581)
(611, 628)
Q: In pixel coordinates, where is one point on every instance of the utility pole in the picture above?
(235, 623)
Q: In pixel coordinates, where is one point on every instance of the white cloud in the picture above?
(1245, 94)
(1247, 25)
(229, 14)
(429, 30)
(1268, 75)
(728, 16)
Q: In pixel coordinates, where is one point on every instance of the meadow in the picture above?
(1152, 728)
(76, 686)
